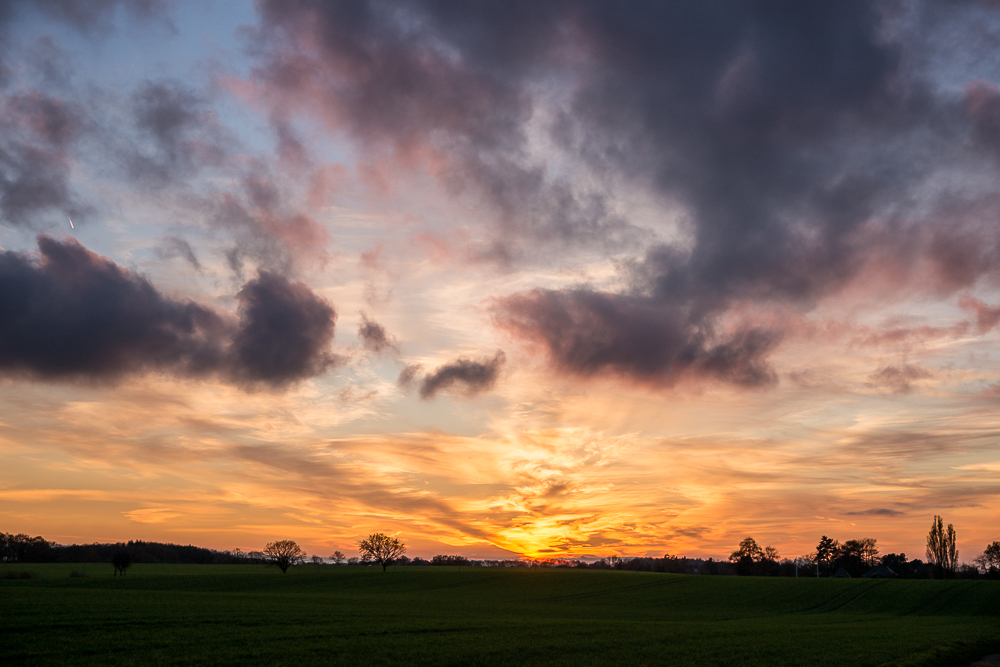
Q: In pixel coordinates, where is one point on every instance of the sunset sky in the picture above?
(539, 278)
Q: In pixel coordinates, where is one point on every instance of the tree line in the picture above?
(860, 557)
(23, 548)
(855, 557)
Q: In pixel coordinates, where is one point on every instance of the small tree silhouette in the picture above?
(284, 554)
(381, 548)
(338, 557)
(121, 559)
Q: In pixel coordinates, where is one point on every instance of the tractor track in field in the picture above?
(836, 597)
(860, 595)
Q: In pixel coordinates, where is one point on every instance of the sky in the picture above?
(538, 279)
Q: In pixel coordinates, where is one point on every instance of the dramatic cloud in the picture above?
(471, 376)
(797, 141)
(588, 332)
(643, 201)
(285, 331)
(70, 314)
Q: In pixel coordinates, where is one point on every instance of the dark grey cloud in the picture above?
(470, 376)
(285, 331)
(374, 336)
(71, 314)
(68, 314)
(589, 332)
(799, 142)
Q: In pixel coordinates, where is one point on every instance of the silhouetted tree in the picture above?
(897, 563)
(122, 560)
(317, 560)
(747, 556)
(942, 552)
(988, 562)
(25, 549)
(381, 548)
(826, 552)
(284, 554)
(338, 557)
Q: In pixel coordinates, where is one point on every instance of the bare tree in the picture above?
(338, 557)
(868, 551)
(381, 548)
(942, 551)
(284, 554)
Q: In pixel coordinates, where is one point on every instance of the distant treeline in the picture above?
(25, 549)
(854, 557)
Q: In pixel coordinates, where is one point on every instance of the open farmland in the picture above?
(238, 615)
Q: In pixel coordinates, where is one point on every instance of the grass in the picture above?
(240, 615)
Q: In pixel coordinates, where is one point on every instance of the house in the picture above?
(880, 572)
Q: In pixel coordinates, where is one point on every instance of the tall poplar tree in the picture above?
(942, 551)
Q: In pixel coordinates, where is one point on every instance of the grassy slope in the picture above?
(176, 614)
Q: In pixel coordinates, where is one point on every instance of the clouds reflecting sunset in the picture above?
(507, 279)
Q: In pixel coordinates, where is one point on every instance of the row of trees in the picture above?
(376, 548)
(859, 556)
(853, 556)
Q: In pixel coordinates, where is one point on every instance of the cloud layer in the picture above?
(70, 314)
(799, 143)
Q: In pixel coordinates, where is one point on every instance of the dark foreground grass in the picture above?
(246, 615)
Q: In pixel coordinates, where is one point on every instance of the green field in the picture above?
(240, 615)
